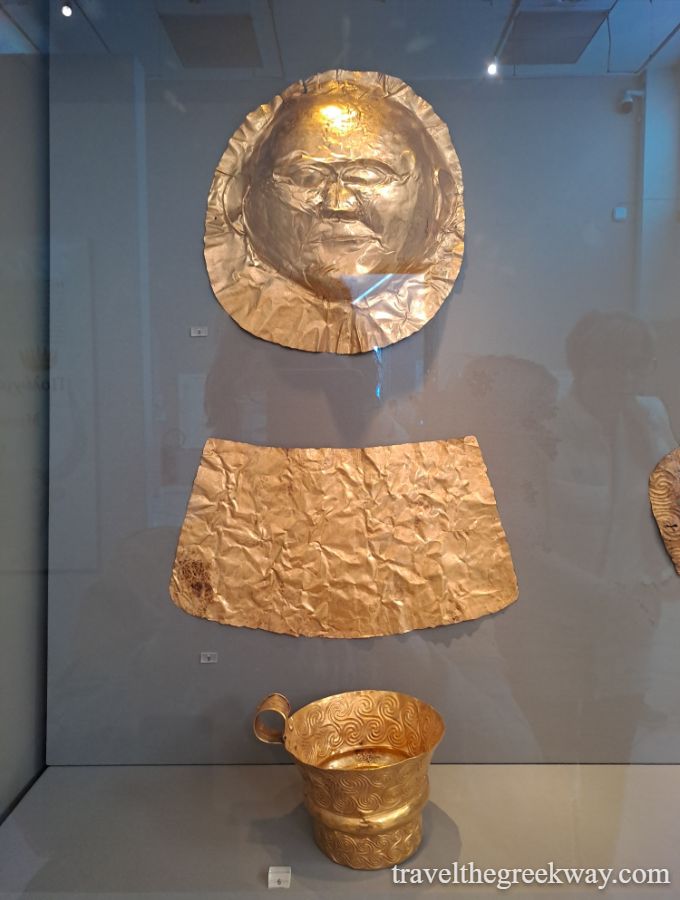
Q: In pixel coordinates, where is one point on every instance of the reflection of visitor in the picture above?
(610, 436)
(509, 404)
(576, 647)
(611, 432)
(261, 393)
(497, 672)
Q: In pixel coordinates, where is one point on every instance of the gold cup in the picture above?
(363, 757)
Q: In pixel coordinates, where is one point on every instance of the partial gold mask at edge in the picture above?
(664, 496)
(335, 218)
(342, 543)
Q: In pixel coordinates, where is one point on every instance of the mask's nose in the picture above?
(339, 198)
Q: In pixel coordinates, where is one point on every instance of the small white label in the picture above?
(279, 877)
(199, 331)
(208, 656)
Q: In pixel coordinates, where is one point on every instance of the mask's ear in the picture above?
(233, 198)
(447, 200)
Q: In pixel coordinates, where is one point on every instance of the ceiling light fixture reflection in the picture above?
(492, 68)
(66, 10)
(339, 118)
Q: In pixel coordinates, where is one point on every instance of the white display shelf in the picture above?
(211, 832)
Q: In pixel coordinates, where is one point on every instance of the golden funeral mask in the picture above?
(335, 219)
(342, 543)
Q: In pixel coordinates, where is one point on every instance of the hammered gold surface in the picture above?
(367, 810)
(342, 542)
(664, 495)
(334, 726)
(366, 791)
(375, 851)
(335, 218)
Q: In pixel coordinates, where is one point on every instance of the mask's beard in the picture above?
(325, 283)
(346, 250)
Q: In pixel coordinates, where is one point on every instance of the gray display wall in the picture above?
(583, 666)
(25, 384)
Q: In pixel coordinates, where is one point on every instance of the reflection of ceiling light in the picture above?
(339, 118)
(66, 10)
(492, 68)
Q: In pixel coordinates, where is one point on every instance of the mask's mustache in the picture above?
(335, 228)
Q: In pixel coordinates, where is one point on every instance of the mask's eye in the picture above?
(302, 176)
(364, 174)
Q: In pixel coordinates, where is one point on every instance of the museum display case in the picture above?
(339, 359)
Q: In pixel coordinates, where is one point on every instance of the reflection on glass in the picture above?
(611, 433)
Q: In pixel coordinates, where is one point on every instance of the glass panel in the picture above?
(557, 349)
(26, 381)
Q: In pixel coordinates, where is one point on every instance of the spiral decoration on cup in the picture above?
(363, 757)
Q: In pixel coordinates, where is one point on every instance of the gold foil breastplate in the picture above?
(342, 542)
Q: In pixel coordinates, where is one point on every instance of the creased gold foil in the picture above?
(342, 542)
(335, 218)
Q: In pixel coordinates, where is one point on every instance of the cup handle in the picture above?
(273, 703)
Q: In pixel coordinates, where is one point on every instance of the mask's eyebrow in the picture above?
(375, 164)
(299, 156)
(290, 157)
(295, 156)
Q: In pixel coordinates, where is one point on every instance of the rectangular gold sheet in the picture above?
(342, 543)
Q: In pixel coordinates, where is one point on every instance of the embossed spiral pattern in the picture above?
(357, 793)
(361, 719)
(364, 759)
(371, 852)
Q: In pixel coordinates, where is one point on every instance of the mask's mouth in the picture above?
(340, 229)
(343, 239)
